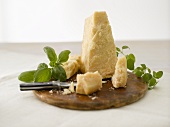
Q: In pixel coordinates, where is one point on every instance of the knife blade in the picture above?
(45, 85)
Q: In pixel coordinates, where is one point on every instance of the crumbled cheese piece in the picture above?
(71, 88)
(93, 98)
(89, 96)
(72, 65)
(112, 88)
(51, 91)
(104, 81)
(66, 91)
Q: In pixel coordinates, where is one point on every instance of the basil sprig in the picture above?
(148, 76)
(43, 73)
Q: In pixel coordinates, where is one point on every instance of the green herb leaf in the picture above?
(42, 75)
(118, 49)
(159, 74)
(139, 68)
(50, 53)
(131, 56)
(146, 77)
(63, 56)
(130, 62)
(152, 82)
(144, 66)
(27, 76)
(52, 63)
(154, 74)
(138, 72)
(149, 70)
(42, 66)
(58, 72)
(117, 54)
(125, 47)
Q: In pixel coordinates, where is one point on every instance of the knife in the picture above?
(45, 85)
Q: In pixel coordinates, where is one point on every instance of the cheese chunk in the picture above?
(98, 48)
(71, 66)
(119, 79)
(88, 83)
(75, 57)
(80, 83)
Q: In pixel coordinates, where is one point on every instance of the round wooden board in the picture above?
(107, 97)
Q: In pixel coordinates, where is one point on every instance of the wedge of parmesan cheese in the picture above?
(119, 79)
(71, 66)
(88, 83)
(98, 48)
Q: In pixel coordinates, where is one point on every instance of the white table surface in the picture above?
(23, 109)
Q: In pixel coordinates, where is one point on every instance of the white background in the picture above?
(63, 20)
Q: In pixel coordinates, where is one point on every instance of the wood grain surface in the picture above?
(107, 97)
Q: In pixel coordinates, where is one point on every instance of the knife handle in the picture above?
(37, 84)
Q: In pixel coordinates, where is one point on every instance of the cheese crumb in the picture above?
(66, 91)
(104, 81)
(112, 88)
(93, 98)
(51, 91)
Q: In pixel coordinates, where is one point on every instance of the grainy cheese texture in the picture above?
(98, 48)
(88, 83)
(72, 65)
(119, 79)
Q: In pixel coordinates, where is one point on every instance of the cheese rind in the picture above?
(88, 83)
(98, 48)
(119, 78)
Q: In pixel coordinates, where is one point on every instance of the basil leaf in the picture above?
(63, 56)
(42, 66)
(50, 53)
(59, 73)
(42, 75)
(52, 63)
(27, 76)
